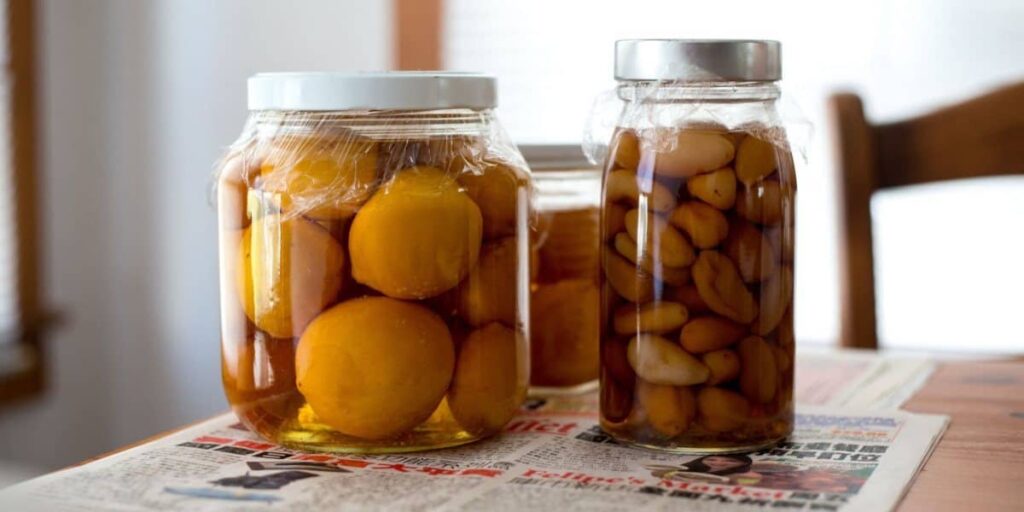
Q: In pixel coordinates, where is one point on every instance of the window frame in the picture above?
(28, 378)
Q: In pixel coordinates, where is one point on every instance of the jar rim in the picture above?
(389, 90)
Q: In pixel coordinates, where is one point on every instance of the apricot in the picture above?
(754, 256)
(722, 410)
(564, 325)
(656, 236)
(655, 317)
(775, 296)
(318, 177)
(627, 280)
(659, 361)
(706, 225)
(289, 271)
(724, 366)
(569, 249)
(614, 220)
(498, 190)
(625, 186)
(710, 333)
(417, 237)
(375, 367)
(685, 153)
(489, 383)
(489, 293)
(722, 288)
(717, 188)
(668, 410)
(761, 203)
(755, 159)
(626, 151)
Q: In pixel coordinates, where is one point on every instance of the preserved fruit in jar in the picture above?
(565, 298)
(697, 260)
(374, 263)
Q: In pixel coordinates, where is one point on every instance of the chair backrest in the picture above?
(980, 137)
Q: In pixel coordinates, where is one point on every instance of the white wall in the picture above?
(904, 58)
(137, 100)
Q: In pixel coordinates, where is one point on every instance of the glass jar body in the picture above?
(697, 283)
(374, 278)
(565, 298)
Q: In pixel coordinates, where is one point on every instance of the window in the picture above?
(553, 58)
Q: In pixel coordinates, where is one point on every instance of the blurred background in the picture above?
(134, 102)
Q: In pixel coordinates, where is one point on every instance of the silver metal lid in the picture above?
(698, 60)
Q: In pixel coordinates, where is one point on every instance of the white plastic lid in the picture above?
(413, 90)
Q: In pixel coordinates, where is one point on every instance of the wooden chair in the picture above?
(980, 137)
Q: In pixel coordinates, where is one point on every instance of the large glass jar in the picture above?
(374, 262)
(699, 191)
(565, 298)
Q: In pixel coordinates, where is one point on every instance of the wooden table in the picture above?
(979, 464)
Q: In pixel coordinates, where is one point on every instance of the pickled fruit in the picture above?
(656, 317)
(659, 238)
(318, 177)
(723, 364)
(717, 188)
(568, 248)
(685, 153)
(755, 159)
(487, 387)
(495, 189)
(369, 376)
(706, 225)
(722, 410)
(709, 333)
(485, 295)
(417, 237)
(289, 271)
(564, 332)
(699, 307)
(362, 255)
(659, 361)
(626, 152)
(565, 304)
(720, 286)
(668, 410)
(628, 281)
(624, 186)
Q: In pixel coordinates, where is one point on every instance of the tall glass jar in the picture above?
(565, 298)
(699, 191)
(374, 262)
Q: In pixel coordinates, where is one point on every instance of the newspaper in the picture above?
(858, 379)
(552, 456)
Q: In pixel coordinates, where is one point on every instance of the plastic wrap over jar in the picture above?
(374, 277)
(697, 283)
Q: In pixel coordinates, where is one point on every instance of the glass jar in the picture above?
(374, 262)
(699, 195)
(565, 299)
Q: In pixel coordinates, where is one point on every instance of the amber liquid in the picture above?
(697, 347)
(303, 371)
(565, 302)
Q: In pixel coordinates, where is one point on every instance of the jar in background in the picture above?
(374, 262)
(699, 192)
(565, 299)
